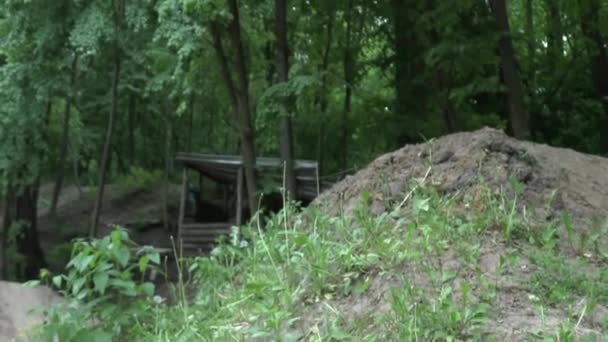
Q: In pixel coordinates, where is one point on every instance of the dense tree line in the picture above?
(90, 89)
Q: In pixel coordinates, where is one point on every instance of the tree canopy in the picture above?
(106, 85)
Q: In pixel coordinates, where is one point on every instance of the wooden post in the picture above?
(200, 196)
(318, 182)
(239, 197)
(182, 207)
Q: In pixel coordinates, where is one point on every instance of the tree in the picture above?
(65, 138)
(117, 14)
(286, 134)
(517, 109)
(590, 25)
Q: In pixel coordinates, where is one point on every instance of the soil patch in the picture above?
(16, 300)
(455, 164)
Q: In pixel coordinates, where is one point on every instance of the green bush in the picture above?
(104, 288)
(139, 177)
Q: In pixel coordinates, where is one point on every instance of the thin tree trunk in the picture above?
(106, 149)
(555, 33)
(590, 24)
(65, 138)
(131, 118)
(348, 81)
(245, 126)
(22, 214)
(518, 113)
(74, 152)
(286, 134)
(190, 121)
(168, 133)
(530, 36)
(6, 224)
(321, 99)
(27, 241)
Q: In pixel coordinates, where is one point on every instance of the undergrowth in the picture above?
(298, 275)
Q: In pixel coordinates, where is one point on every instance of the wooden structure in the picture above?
(228, 170)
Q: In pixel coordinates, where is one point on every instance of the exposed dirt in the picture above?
(16, 301)
(455, 164)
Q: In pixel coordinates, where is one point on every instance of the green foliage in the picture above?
(139, 178)
(104, 288)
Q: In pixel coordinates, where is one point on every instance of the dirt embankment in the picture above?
(456, 164)
(16, 300)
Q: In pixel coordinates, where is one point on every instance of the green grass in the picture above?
(295, 277)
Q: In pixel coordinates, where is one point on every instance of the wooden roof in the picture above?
(224, 169)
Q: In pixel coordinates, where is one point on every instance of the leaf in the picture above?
(516, 186)
(421, 205)
(147, 288)
(341, 335)
(115, 236)
(122, 254)
(101, 281)
(143, 263)
(154, 257)
(57, 280)
(447, 276)
(96, 335)
(78, 283)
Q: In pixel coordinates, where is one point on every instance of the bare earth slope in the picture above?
(455, 164)
(459, 160)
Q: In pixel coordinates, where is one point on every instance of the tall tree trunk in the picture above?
(7, 220)
(131, 118)
(244, 120)
(190, 121)
(22, 215)
(321, 99)
(286, 134)
(530, 36)
(65, 138)
(106, 148)
(167, 166)
(74, 152)
(590, 24)
(348, 82)
(555, 33)
(517, 110)
(410, 95)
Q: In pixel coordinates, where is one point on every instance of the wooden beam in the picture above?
(239, 197)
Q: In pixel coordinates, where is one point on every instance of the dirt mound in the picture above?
(16, 301)
(457, 162)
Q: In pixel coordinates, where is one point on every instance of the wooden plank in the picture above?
(239, 197)
(203, 226)
(191, 233)
(201, 239)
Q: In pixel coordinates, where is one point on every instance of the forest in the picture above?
(94, 91)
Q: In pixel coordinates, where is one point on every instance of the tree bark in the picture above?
(517, 110)
(244, 120)
(286, 133)
(65, 138)
(22, 214)
(190, 121)
(530, 36)
(590, 24)
(555, 33)
(348, 82)
(321, 98)
(131, 118)
(106, 148)
(167, 166)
